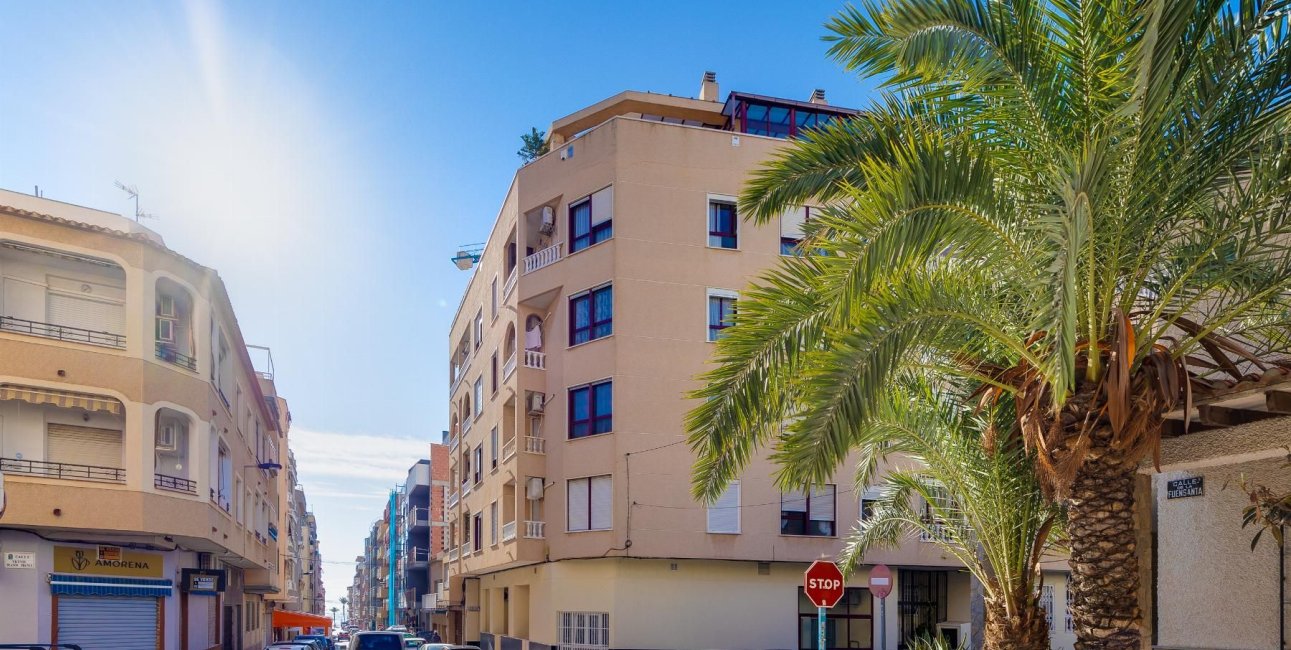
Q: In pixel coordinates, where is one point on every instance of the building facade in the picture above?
(614, 263)
(140, 447)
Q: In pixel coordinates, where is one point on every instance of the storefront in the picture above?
(108, 597)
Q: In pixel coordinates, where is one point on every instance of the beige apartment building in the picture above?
(138, 443)
(613, 264)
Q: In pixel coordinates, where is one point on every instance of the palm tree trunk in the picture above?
(1104, 562)
(1025, 630)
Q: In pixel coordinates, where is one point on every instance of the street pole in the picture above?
(883, 623)
(820, 628)
(390, 577)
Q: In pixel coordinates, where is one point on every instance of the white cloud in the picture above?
(333, 456)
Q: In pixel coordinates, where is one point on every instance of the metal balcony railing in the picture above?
(419, 516)
(535, 445)
(62, 332)
(545, 257)
(535, 359)
(174, 483)
(68, 471)
(508, 531)
(535, 529)
(170, 355)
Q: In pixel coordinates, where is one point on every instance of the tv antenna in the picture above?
(134, 194)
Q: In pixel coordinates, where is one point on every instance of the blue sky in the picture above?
(327, 158)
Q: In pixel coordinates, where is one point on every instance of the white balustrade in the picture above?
(508, 531)
(545, 257)
(535, 359)
(535, 445)
(534, 529)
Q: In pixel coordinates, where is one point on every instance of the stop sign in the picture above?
(823, 583)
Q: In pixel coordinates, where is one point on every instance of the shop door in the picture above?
(102, 623)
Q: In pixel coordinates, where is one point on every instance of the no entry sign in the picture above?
(823, 583)
(880, 581)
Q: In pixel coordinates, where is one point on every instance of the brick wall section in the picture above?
(439, 477)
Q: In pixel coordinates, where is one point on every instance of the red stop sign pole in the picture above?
(823, 585)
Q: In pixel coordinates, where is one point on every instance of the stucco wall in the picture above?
(1213, 591)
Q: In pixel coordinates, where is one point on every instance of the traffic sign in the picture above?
(880, 581)
(823, 583)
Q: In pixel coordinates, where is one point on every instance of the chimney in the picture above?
(818, 97)
(708, 88)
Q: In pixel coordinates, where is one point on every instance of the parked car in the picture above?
(413, 642)
(377, 641)
(447, 646)
(289, 645)
(397, 628)
(323, 641)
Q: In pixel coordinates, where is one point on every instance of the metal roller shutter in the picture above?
(83, 445)
(108, 623)
(93, 315)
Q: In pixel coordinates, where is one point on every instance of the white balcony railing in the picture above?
(452, 499)
(545, 257)
(508, 449)
(535, 529)
(452, 444)
(466, 426)
(535, 445)
(452, 554)
(937, 534)
(508, 531)
(510, 284)
(535, 359)
(508, 367)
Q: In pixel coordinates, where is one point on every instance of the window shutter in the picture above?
(822, 503)
(793, 502)
(602, 502)
(603, 205)
(93, 315)
(724, 514)
(84, 446)
(576, 507)
(791, 222)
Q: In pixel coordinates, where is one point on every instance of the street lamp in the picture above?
(265, 466)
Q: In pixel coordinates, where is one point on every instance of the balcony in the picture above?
(452, 444)
(508, 367)
(417, 558)
(170, 355)
(535, 445)
(508, 449)
(466, 426)
(174, 484)
(544, 257)
(418, 517)
(535, 359)
(535, 529)
(62, 332)
(68, 471)
(508, 531)
(510, 284)
(451, 501)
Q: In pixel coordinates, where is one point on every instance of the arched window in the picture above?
(175, 342)
(509, 344)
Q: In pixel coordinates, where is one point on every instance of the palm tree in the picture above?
(1080, 205)
(984, 508)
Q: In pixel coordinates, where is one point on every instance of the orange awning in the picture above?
(300, 619)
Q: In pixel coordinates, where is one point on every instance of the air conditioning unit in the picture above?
(536, 402)
(955, 634)
(548, 220)
(533, 488)
(167, 437)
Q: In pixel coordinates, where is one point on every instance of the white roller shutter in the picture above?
(791, 222)
(724, 514)
(603, 205)
(602, 502)
(102, 623)
(822, 503)
(793, 502)
(93, 315)
(576, 505)
(83, 446)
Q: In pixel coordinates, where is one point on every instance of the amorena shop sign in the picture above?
(107, 561)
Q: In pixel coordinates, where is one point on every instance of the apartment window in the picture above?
(722, 224)
(493, 523)
(589, 503)
(582, 630)
(479, 328)
(869, 501)
(1046, 603)
(223, 494)
(791, 229)
(493, 373)
(591, 314)
(478, 533)
(493, 447)
(721, 312)
(479, 463)
(466, 468)
(479, 396)
(591, 220)
(848, 624)
(591, 409)
(1069, 623)
(493, 291)
(724, 514)
(808, 513)
(466, 529)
